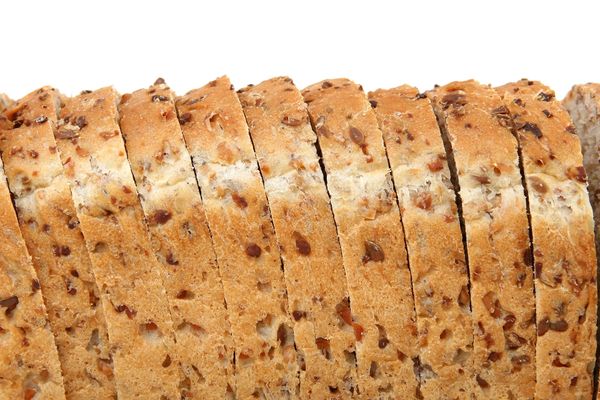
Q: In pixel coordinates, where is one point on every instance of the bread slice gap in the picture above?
(169, 195)
(128, 274)
(371, 239)
(434, 239)
(284, 143)
(30, 366)
(50, 227)
(483, 158)
(217, 138)
(563, 240)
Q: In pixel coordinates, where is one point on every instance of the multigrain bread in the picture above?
(318, 296)
(128, 274)
(5, 102)
(371, 238)
(583, 104)
(484, 160)
(29, 364)
(51, 231)
(248, 255)
(434, 240)
(171, 202)
(562, 228)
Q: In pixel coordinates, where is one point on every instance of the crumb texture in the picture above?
(50, 227)
(563, 241)
(485, 162)
(431, 224)
(359, 181)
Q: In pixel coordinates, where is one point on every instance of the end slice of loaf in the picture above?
(238, 215)
(318, 296)
(434, 240)
(563, 241)
(128, 274)
(51, 231)
(371, 237)
(172, 205)
(484, 157)
(583, 104)
(29, 363)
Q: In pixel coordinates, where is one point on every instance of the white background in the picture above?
(86, 45)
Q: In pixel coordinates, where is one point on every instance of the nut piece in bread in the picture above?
(371, 237)
(50, 227)
(285, 148)
(484, 161)
(433, 238)
(562, 228)
(127, 272)
(169, 194)
(237, 211)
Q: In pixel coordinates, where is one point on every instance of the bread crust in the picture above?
(563, 241)
(484, 153)
(50, 227)
(238, 215)
(285, 148)
(127, 272)
(172, 205)
(29, 364)
(371, 237)
(434, 240)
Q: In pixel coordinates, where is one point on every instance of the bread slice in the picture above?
(238, 215)
(128, 274)
(171, 202)
(29, 363)
(371, 238)
(484, 159)
(583, 104)
(433, 238)
(51, 230)
(285, 147)
(562, 228)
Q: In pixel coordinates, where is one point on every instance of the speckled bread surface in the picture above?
(128, 274)
(216, 135)
(434, 241)
(172, 205)
(29, 363)
(50, 227)
(562, 228)
(371, 237)
(285, 147)
(484, 157)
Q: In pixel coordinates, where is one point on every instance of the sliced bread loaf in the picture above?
(248, 255)
(484, 161)
(127, 272)
(433, 238)
(562, 228)
(316, 283)
(171, 201)
(371, 237)
(51, 230)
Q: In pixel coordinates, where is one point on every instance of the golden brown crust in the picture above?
(238, 215)
(563, 241)
(172, 205)
(371, 238)
(29, 363)
(494, 211)
(127, 272)
(51, 231)
(434, 240)
(285, 147)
